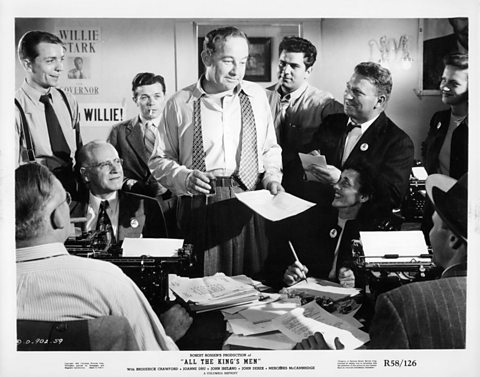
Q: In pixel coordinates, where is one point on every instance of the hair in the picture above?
(78, 58)
(211, 40)
(297, 44)
(147, 78)
(27, 46)
(33, 190)
(377, 75)
(457, 60)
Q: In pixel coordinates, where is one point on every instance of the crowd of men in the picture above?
(174, 170)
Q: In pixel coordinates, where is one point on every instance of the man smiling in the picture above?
(217, 139)
(47, 127)
(364, 132)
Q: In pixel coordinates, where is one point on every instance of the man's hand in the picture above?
(198, 182)
(346, 277)
(176, 321)
(327, 174)
(275, 187)
(294, 273)
(317, 342)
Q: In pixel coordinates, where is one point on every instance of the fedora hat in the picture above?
(449, 198)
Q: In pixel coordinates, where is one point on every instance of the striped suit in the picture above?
(426, 315)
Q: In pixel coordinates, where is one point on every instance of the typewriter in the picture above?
(149, 273)
(412, 208)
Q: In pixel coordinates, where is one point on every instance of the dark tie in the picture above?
(58, 143)
(353, 132)
(280, 117)
(104, 224)
(351, 126)
(248, 169)
(149, 138)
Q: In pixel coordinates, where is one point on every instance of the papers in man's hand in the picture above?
(308, 160)
(212, 292)
(153, 247)
(399, 247)
(274, 207)
(321, 288)
(302, 322)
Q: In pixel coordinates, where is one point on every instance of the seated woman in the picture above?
(322, 241)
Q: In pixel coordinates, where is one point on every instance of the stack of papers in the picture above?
(212, 292)
(312, 287)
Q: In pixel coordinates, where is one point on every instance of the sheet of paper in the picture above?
(267, 312)
(274, 207)
(274, 341)
(308, 160)
(402, 243)
(153, 247)
(302, 322)
(244, 327)
(265, 299)
(420, 173)
(216, 288)
(334, 292)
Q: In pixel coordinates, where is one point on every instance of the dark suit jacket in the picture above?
(433, 143)
(314, 235)
(424, 315)
(127, 138)
(146, 211)
(385, 146)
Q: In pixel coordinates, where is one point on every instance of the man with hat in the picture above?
(430, 314)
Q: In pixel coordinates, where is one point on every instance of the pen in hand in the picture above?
(296, 259)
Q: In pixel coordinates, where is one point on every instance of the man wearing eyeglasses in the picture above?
(53, 285)
(364, 132)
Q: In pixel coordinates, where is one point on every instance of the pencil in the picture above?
(296, 259)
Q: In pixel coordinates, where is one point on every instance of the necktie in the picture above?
(280, 117)
(104, 224)
(354, 132)
(198, 153)
(149, 139)
(58, 143)
(248, 169)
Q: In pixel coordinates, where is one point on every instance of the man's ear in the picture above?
(58, 221)
(206, 58)
(364, 198)
(308, 71)
(454, 242)
(382, 99)
(27, 64)
(84, 175)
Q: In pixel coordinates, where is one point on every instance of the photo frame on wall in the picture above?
(259, 64)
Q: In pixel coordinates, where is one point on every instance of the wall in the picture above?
(169, 47)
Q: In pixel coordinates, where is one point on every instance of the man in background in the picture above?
(445, 150)
(77, 72)
(430, 314)
(47, 127)
(217, 139)
(53, 285)
(298, 109)
(364, 132)
(134, 140)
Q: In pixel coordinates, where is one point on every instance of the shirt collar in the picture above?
(144, 121)
(32, 92)
(458, 269)
(293, 95)
(364, 126)
(94, 201)
(47, 250)
(198, 91)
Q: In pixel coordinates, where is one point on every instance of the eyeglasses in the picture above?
(68, 199)
(107, 165)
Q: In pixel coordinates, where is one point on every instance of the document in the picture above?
(267, 312)
(244, 327)
(302, 322)
(273, 341)
(153, 247)
(274, 207)
(321, 288)
(394, 247)
(308, 160)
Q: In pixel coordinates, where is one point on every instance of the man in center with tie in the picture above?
(365, 133)
(217, 139)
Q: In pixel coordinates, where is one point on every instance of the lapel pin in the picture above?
(134, 222)
(364, 147)
(333, 233)
(439, 124)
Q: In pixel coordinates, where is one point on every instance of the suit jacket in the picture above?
(434, 141)
(423, 315)
(385, 146)
(127, 138)
(314, 235)
(146, 211)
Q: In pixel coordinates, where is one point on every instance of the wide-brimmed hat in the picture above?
(449, 198)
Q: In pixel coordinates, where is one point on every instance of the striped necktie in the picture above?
(149, 139)
(104, 224)
(198, 153)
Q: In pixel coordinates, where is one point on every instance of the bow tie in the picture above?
(351, 126)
